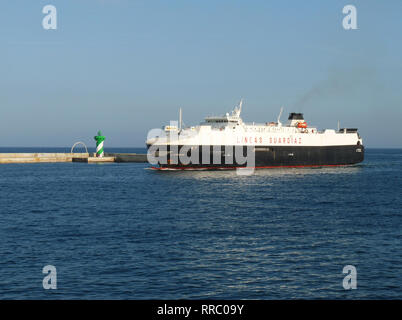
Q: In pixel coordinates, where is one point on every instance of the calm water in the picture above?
(119, 231)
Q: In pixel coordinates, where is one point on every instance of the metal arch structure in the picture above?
(77, 143)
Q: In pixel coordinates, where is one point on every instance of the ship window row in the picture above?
(220, 121)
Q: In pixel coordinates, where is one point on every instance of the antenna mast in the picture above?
(180, 119)
(240, 105)
(279, 117)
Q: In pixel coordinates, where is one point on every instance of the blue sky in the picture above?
(126, 66)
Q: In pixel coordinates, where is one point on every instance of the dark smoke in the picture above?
(340, 84)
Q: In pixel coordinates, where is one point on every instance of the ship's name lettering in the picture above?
(271, 140)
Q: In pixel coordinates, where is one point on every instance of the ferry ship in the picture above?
(213, 144)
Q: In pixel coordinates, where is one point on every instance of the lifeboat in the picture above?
(302, 125)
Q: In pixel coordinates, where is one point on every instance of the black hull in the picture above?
(276, 156)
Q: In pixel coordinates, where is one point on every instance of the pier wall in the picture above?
(39, 157)
(70, 157)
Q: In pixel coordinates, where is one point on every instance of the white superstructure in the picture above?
(229, 129)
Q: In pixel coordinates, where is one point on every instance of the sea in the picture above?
(123, 231)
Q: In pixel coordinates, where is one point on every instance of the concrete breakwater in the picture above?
(39, 157)
(128, 157)
(70, 157)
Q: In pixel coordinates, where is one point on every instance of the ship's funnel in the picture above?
(295, 118)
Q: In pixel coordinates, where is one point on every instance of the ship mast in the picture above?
(180, 119)
(279, 118)
(240, 105)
